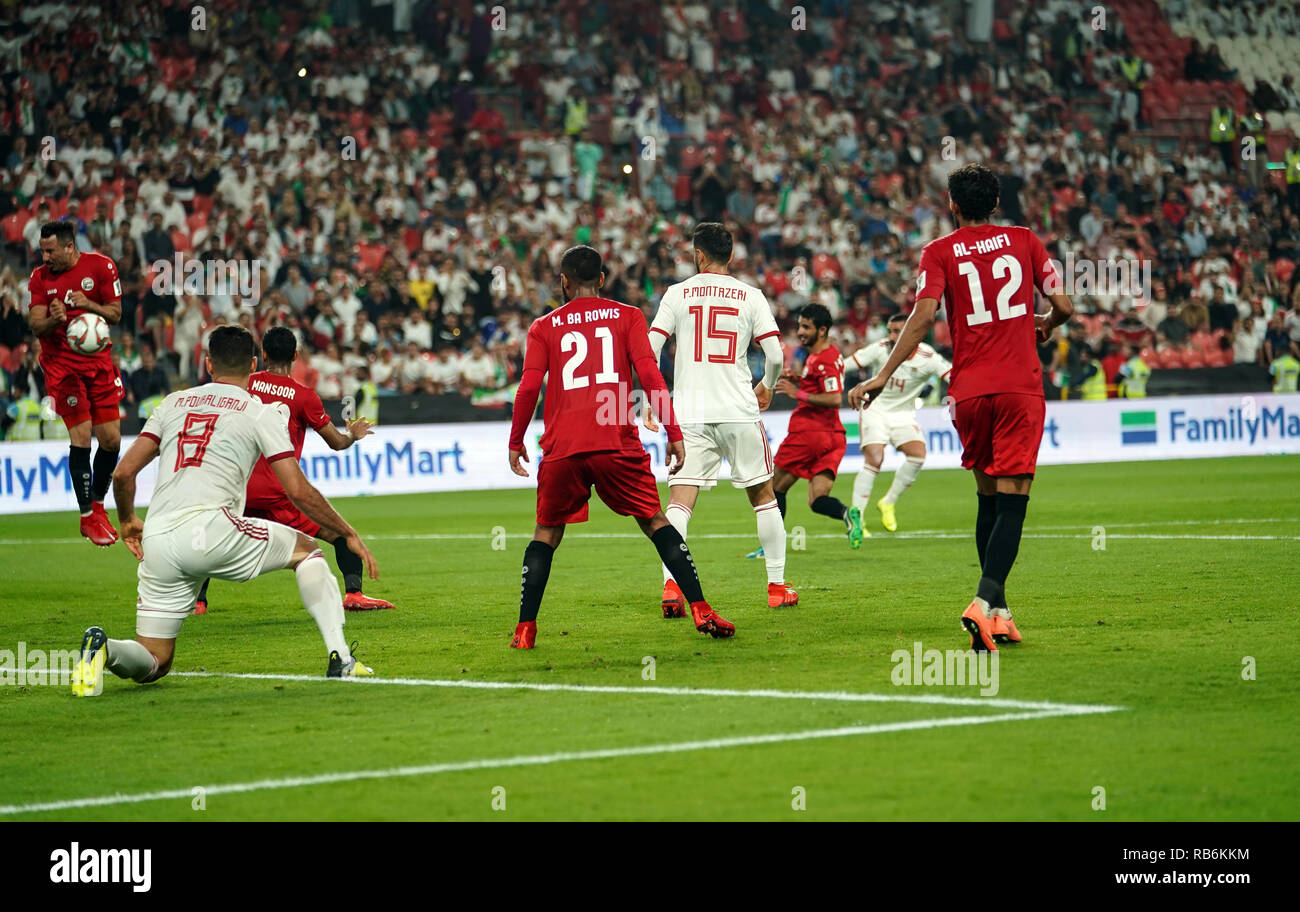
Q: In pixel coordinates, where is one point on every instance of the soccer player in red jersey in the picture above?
(265, 497)
(85, 389)
(591, 346)
(986, 274)
(815, 442)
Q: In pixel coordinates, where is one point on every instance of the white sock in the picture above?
(320, 596)
(771, 535)
(904, 477)
(129, 659)
(680, 517)
(862, 486)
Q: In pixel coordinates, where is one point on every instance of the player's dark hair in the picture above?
(899, 317)
(231, 349)
(279, 345)
(974, 189)
(817, 315)
(581, 265)
(63, 232)
(713, 240)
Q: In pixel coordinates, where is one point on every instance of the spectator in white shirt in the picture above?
(445, 372)
(478, 368)
(413, 372)
(415, 328)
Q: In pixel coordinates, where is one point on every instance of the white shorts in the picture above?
(742, 443)
(217, 544)
(893, 428)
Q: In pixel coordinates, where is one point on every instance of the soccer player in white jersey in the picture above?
(890, 418)
(715, 318)
(208, 439)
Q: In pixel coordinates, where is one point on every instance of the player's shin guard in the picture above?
(771, 535)
(677, 558)
(102, 476)
(321, 597)
(862, 486)
(903, 478)
(829, 506)
(680, 516)
(349, 564)
(129, 659)
(780, 502)
(537, 570)
(1004, 543)
(79, 470)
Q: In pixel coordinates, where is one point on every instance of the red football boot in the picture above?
(98, 530)
(97, 509)
(525, 635)
(674, 603)
(979, 627)
(779, 595)
(709, 621)
(201, 606)
(355, 601)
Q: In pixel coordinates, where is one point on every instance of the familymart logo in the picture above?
(1137, 427)
(26, 667)
(945, 668)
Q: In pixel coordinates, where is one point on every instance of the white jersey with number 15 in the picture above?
(715, 319)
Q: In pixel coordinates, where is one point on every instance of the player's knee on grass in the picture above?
(163, 652)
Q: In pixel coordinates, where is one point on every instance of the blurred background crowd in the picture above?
(396, 180)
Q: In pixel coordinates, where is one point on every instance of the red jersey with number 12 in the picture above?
(305, 411)
(985, 275)
(822, 373)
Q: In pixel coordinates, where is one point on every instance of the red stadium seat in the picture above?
(1194, 357)
(203, 203)
(14, 223)
(181, 241)
(411, 240)
(196, 220)
(90, 208)
(692, 155)
(371, 256)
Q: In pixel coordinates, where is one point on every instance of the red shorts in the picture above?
(1000, 433)
(809, 453)
(85, 395)
(277, 507)
(622, 480)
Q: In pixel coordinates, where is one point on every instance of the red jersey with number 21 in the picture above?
(985, 276)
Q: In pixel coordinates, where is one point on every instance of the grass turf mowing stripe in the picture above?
(836, 696)
(434, 769)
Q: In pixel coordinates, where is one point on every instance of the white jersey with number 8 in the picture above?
(209, 438)
(715, 318)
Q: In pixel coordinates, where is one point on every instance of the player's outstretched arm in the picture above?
(914, 332)
(313, 503)
(341, 440)
(142, 452)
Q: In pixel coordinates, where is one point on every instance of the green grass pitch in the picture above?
(1196, 584)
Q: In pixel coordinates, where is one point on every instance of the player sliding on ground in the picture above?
(590, 347)
(890, 418)
(987, 275)
(209, 438)
(715, 318)
(265, 498)
(815, 442)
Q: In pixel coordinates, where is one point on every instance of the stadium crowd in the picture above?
(396, 181)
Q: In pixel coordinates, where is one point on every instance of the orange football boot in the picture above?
(980, 629)
(674, 602)
(779, 595)
(355, 601)
(1004, 628)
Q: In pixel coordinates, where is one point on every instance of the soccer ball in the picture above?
(88, 334)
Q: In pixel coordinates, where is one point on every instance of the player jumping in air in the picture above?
(987, 274)
(890, 419)
(815, 441)
(85, 389)
(590, 347)
(208, 439)
(266, 498)
(715, 318)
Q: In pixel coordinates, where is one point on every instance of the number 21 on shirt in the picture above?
(574, 341)
(1004, 267)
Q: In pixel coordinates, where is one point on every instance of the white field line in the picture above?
(834, 696)
(434, 769)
